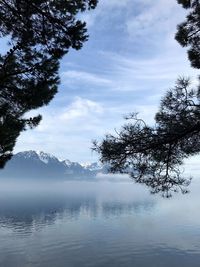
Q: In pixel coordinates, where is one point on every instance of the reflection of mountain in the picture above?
(26, 212)
(32, 164)
(120, 208)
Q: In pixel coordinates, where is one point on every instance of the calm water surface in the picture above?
(78, 224)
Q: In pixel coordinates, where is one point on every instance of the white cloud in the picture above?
(155, 18)
(73, 76)
(102, 10)
(81, 108)
(114, 3)
(127, 73)
(157, 74)
(129, 76)
(68, 132)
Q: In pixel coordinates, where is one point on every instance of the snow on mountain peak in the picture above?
(91, 166)
(67, 162)
(28, 154)
(85, 164)
(49, 158)
(45, 157)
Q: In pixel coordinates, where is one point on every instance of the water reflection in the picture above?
(97, 224)
(118, 208)
(27, 212)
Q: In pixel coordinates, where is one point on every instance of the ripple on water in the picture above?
(115, 227)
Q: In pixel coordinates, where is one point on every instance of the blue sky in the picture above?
(129, 62)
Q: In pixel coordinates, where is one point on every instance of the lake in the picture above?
(97, 224)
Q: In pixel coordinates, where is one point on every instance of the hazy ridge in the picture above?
(32, 164)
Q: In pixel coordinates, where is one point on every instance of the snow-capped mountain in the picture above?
(38, 164)
(67, 163)
(95, 166)
(46, 157)
(37, 156)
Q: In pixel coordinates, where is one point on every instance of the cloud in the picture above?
(131, 74)
(67, 132)
(104, 7)
(154, 19)
(74, 76)
(81, 108)
(128, 73)
(127, 65)
(81, 115)
(114, 3)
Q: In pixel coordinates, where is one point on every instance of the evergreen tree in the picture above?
(41, 32)
(153, 154)
(188, 34)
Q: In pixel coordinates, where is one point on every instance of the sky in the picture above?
(128, 63)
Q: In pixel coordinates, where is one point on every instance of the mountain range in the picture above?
(33, 164)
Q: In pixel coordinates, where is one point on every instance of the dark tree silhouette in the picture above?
(40, 33)
(153, 155)
(188, 34)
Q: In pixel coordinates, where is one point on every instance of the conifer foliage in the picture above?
(188, 34)
(153, 155)
(40, 33)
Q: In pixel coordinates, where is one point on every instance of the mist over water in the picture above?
(96, 224)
